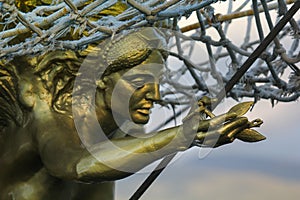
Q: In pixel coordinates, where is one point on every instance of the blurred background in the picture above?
(238, 171)
(267, 170)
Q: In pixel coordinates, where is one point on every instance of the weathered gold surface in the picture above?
(42, 156)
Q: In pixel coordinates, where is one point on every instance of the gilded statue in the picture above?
(52, 105)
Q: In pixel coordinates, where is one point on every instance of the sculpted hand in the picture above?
(224, 129)
(228, 131)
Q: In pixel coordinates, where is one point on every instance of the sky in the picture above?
(238, 171)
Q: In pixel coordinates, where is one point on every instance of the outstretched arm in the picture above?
(64, 156)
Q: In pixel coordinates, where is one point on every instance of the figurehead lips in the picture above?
(144, 111)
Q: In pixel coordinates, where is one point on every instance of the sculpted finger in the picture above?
(255, 123)
(207, 101)
(238, 123)
(216, 138)
(209, 137)
(216, 121)
(212, 139)
(222, 134)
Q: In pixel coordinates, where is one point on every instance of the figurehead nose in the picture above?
(153, 94)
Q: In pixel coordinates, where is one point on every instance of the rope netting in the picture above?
(30, 27)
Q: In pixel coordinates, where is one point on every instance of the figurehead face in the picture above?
(131, 93)
(133, 65)
(124, 72)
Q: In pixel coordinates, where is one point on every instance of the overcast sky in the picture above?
(268, 170)
(239, 171)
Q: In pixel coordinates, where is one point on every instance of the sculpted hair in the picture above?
(59, 69)
(11, 110)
